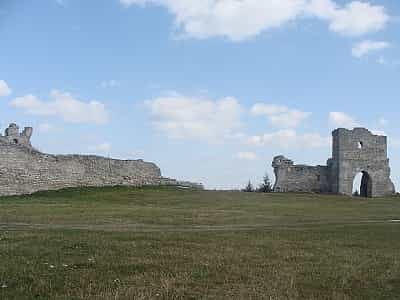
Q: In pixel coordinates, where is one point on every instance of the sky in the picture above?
(209, 90)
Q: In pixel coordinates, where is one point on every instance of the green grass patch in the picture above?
(167, 243)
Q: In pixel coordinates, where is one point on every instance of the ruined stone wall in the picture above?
(353, 151)
(356, 151)
(24, 170)
(180, 183)
(299, 178)
(13, 136)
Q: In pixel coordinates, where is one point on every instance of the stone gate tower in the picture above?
(356, 151)
(353, 151)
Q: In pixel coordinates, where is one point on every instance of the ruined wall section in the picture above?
(24, 170)
(299, 178)
(13, 136)
(353, 151)
(356, 151)
(182, 184)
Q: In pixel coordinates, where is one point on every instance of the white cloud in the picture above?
(378, 132)
(268, 109)
(366, 47)
(65, 106)
(237, 20)
(4, 89)
(341, 119)
(280, 116)
(101, 148)
(354, 19)
(240, 20)
(246, 155)
(189, 117)
(289, 138)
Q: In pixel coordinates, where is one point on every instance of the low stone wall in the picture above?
(24, 170)
(184, 184)
(301, 178)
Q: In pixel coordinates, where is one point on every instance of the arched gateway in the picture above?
(353, 151)
(362, 185)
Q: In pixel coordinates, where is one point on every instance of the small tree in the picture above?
(249, 188)
(266, 185)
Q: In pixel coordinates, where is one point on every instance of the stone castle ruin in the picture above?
(24, 170)
(353, 152)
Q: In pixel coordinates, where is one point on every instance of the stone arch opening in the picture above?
(362, 185)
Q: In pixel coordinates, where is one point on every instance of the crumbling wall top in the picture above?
(12, 135)
(358, 144)
(281, 161)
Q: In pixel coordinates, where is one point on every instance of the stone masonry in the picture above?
(24, 170)
(353, 151)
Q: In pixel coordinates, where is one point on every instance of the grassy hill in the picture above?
(167, 243)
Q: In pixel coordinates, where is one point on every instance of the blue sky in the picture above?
(209, 90)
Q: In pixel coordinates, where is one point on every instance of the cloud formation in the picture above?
(353, 19)
(190, 117)
(366, 47)
(279, 115)
(4, 89)
(341, 119)
(219, 120)
(241, 20)
(63, 105)
(289, 138)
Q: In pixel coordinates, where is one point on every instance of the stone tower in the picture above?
(355, 151)
(13, 135)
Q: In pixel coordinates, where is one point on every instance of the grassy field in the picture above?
(166, 243)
